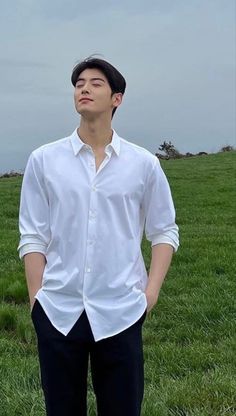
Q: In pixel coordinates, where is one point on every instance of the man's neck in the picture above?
(95, 133)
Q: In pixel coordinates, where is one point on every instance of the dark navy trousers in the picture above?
(116, 368)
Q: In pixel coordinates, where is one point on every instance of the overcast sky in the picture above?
(178, 58)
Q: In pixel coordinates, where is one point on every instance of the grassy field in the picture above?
(190, 337)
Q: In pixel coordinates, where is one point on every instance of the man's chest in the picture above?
(99, 157)
(94, 177)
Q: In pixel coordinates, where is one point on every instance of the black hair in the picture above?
(115, 79)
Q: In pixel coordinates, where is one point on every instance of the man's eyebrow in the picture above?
(92, 79)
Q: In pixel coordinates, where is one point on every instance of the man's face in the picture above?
(93, 95)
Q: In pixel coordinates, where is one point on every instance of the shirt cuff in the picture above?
(165, 239)
(32, 248)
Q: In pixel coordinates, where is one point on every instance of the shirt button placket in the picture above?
(89, 267)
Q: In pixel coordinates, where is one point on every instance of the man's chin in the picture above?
(89, 115)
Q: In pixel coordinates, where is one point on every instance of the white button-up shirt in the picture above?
(89, 225)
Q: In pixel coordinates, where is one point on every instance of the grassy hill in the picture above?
(189, 339)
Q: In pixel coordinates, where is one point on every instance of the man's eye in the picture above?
(96, 84)
(79, 84)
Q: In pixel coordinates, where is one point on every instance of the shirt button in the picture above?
(88, 270)
(85, 298)
(94, 188)
(92, 214)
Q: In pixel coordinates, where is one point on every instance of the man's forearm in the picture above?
(160, 263)
(34, 268)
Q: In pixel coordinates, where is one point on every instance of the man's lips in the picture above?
(85, 99)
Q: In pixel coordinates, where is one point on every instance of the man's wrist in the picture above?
(153, 285)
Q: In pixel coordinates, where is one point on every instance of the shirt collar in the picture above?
(78, 144)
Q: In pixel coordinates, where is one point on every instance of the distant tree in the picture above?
(170, 151)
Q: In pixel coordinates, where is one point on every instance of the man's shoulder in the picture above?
(137, 151)
(51, 147)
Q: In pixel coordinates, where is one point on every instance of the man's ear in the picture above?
(117, 99)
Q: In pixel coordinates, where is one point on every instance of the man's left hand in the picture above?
(151, 297)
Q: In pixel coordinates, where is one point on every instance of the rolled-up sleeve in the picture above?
(159, 211)
(34, 209)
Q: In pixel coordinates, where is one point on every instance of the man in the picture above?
(85, 202)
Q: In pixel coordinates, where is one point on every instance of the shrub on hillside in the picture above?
(227, 149)
(10, 174)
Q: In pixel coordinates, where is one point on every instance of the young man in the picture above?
(85, 202)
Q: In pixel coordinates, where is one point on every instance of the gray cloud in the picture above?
(16, 63)
(74, 9)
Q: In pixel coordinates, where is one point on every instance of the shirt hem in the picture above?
(113, 333)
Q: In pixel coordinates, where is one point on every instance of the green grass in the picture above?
(189, 338)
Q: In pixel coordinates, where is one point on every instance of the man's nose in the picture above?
(85, 89)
